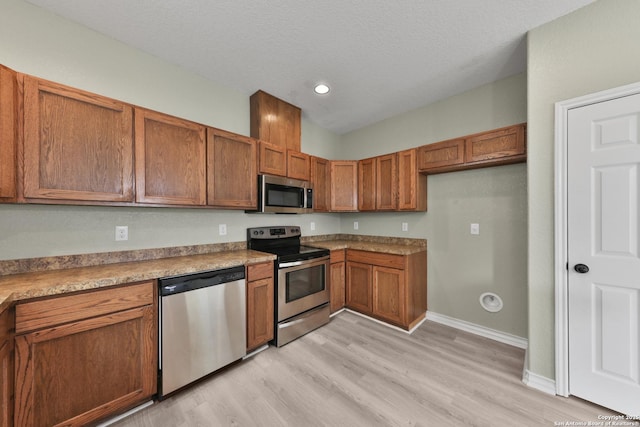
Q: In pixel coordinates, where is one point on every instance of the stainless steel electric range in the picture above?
(302, 280)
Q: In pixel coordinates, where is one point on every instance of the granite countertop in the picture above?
(17, 287)
(387, 245)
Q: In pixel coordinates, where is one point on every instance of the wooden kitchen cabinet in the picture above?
(272, 159)
(367, 184)
(8, 134)
(505, 145)
(260, 304)
(412, 186)
(6, 367)
(231, 170)
(337, 280)
(86, 356)
(344, 185)
(275, 121)
(170, 160)
(441, 155)
(78, 146)
(298, 165)
(389, 287)
(321, 181)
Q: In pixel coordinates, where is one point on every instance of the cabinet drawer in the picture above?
(259, 271)
(64, 309)
(337, 255)
(376, 258)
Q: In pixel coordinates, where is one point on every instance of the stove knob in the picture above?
(261, 232)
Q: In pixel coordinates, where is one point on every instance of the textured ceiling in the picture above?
(380, 57)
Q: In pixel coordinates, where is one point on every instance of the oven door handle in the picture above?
(289, 324)
(304, 262)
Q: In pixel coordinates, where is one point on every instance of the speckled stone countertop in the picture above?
(387, 245)
(17, 287)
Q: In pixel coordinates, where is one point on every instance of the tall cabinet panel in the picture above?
(321, 181)
(231, 170)
(8, 134)
(170, 160)
(386, 182)
(77, 145)
(344, 185)
(367, 185)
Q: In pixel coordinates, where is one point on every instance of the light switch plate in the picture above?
(405, 226)
(312, 226)
(222, 229)
(355, 225)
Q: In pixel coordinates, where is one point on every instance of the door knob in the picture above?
(581, 268)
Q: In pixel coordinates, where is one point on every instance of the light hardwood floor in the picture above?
(355, 372)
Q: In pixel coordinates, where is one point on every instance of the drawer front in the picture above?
(376, 258)
(337, 256)
(70, 308)
(259, 271)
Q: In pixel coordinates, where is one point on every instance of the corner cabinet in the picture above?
(170, 160)
(260, 304)
(412, 186)
(77, 146)
(87, 356)
(6, 367)
(344, 185)
(389, 287)
(8, 134)
(378, 183)
(231, 170)
(321, 181)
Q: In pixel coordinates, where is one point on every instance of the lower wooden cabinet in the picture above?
(337, 280)
(389, 287)
(260, 304)
(83, 357)
(6, 368)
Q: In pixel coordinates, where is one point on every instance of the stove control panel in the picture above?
(278, 232)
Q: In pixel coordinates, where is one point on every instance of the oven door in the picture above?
(302, 285)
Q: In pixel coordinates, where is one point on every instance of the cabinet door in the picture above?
(344, 186)
(495, 145)
(412, 186)
(389, 301)
(298, 165)
(386, 190)
(77, 145)
(337, 286)
(170, 160)
(79, 372)
(232, 171)
(273, 159)
(320, 179)
(260, 312)
(367, 184)
(441, 155)
(6, 368)
(358, 289)
(8, 134)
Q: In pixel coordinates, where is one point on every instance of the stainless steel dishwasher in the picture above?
(202, 321)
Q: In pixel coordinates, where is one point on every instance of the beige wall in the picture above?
(461, 266)
(37, 42)
(592, 49)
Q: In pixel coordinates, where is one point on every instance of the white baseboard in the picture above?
(388, 325)
(540, 383)
(483, 331)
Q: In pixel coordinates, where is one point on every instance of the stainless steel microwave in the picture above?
(277, 194)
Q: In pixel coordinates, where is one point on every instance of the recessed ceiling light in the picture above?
(321, 89)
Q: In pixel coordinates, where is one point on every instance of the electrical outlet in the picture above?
(312, 226)
(222, 229)
(405, 226)
(475, 229)
(355, 225)
(122, 232)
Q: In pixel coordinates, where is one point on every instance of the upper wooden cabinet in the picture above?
(77, 145)
(321, 181)
(412, 186)
(275, 121)
(272, 159)
(344, 185)
(378, 183)
(231, 170)
(501, 145)
(298, 165)
(170, 160)
(8, 134)
(496, 147)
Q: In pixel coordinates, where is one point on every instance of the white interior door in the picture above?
(603, 181)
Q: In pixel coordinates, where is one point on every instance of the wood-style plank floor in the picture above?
(355, 372)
